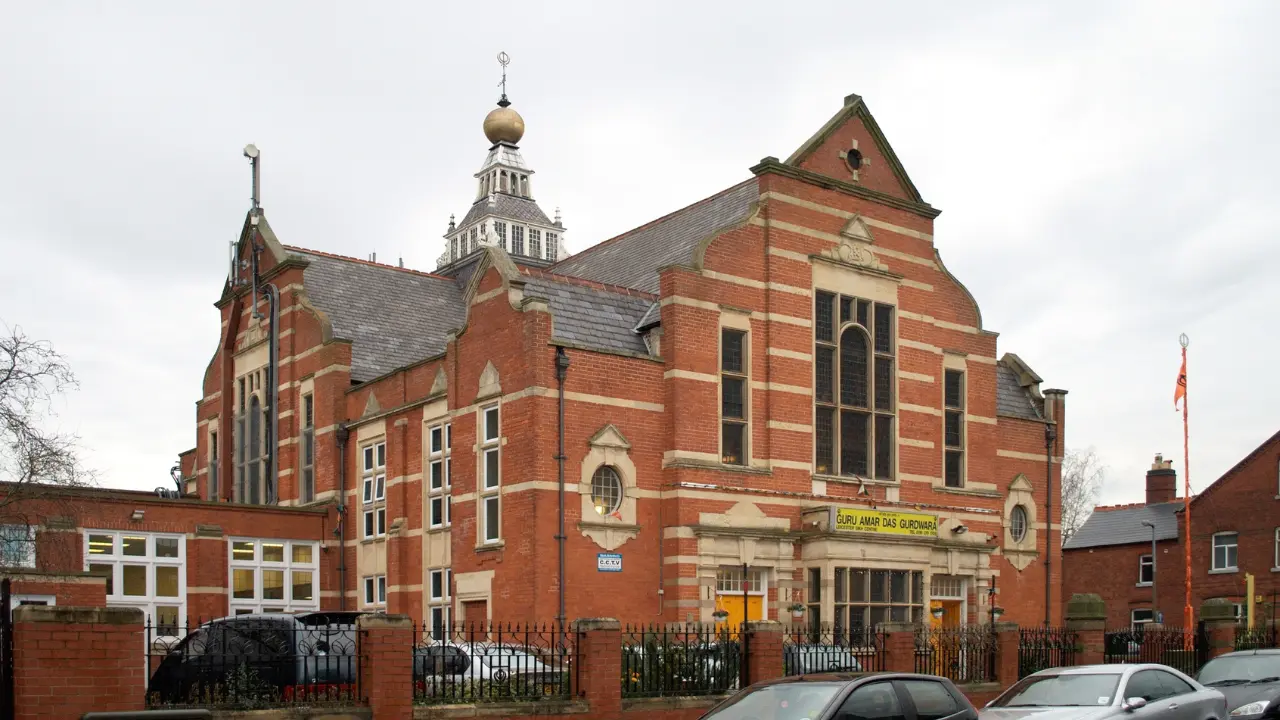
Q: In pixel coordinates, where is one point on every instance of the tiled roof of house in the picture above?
(632, 259)
(393, 316)
(1123, 526)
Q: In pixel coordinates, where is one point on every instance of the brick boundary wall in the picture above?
(70, 661)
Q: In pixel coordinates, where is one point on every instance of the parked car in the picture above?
(443, 665)
(804, 659)
(1250, 680)
(1099, 692)
(255, 657)
(848, 696)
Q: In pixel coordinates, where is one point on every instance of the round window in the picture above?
(1018, 523)
(606, 490)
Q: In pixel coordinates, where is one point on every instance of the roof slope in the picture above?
(632, 259)
(393, 317)
(1123, 526)
(506, 206)
(1012, 399)
(591, 317)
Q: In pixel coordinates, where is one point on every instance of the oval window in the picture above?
(606, 490)
(1018, 523)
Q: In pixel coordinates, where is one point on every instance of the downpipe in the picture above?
(562, 371)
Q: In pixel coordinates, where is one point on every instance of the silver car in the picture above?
(1102, 692)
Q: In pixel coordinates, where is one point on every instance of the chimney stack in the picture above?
(1162, 482)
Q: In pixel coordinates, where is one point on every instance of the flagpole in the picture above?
(1187, 613)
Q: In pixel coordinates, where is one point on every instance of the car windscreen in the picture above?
(784, 701)
(1240, 669)
(1065, 690)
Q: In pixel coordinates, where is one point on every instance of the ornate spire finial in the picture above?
(504, 60)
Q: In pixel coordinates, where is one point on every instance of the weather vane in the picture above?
(504, 60)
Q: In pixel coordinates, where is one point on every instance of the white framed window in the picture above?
(440, 582)
(375, 590)
(307, 466)
(17, 546)
(500, 228)
(143, 570)
(729, 581)
(1146, 569)
(535, 242)
(1018, 523)
(273, 575)
(1224, 551)
(517, 239)
(1141, 616)
(553, 245)
(215, 487)
(373, 489)
(606, 490)
(440, 476)
(491, 475)
(1276, 563)
(953, 396)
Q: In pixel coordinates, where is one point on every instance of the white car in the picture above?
(1107, 692)
(455, 670)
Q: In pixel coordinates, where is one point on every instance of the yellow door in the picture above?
(732, 604)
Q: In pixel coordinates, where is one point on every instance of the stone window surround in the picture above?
(373, 591)
(1020, 494)
(609, 447)
(249, 386)
(486, 495)
(959, 363)
(439, 605)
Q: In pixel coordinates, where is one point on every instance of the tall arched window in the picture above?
(854, 413)
(253, 491)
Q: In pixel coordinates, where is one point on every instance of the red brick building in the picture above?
(782, 376)
(1234, 531)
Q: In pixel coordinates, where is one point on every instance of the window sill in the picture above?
(1224, 571)
(967, 491)
(438, 528)
(1143, 585)
(490, 546)
(855, 480)
(374, 540)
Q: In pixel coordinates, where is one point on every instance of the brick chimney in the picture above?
(1162, 482)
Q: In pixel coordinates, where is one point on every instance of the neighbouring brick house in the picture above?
(1235, 530)
(782, 376)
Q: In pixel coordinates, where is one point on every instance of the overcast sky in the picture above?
(1106, 172)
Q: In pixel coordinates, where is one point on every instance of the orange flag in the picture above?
(1180, 392)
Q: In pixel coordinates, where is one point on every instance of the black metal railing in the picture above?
(660, 661)
(1256, 638)
(1041, 648)
(496, 662)
(1173, 646)
(824, 648)
(253, 662)
(963, 654)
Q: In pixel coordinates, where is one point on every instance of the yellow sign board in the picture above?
(886, 522)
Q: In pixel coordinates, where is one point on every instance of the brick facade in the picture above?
(373, 356)
(1234, 503)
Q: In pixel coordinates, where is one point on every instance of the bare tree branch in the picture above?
(1082, 474)
(35, 461)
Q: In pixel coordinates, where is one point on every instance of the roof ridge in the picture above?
(583, 282)
(651, 223)
(371, 263)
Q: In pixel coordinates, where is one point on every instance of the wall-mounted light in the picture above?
(136, 516)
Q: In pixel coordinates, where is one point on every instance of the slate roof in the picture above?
(506, 206)
(632, 260)
(591, 317)
(1123, 526)
(394, 317)
(1011, 398)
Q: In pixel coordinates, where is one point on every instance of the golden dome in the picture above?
(503, 124)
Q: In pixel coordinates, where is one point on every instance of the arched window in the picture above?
(853, 387)
(606, 490)
(254, 486)
(1018, 523)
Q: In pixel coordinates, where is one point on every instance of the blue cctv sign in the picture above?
(609, 562)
